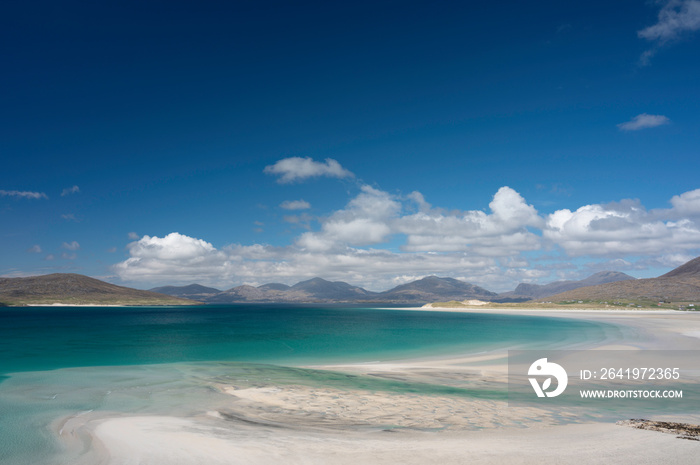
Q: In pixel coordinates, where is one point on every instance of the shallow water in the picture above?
(60, 362)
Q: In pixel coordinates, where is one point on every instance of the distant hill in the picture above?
(690, 269)
(320, 290)
(273, 287)
(432, 289)
(326, 290)
(679, 285)
(192, 291)
(312, 290)
(526, 291)
(76, 289)
(247, 293)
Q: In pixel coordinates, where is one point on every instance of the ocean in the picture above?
(58, 362)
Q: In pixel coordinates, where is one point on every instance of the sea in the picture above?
(61, 362)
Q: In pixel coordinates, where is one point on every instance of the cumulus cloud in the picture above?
(379, 238)
(643, 121)
(34, 249)
(366, 220)
(133, 236)
(70, 190)
(295, 205)
(419, 200)
(71, 245)
(676, 18)
(24, 194)
(500, 233)
(178, 258)
(172, 257)
(465, 244)
(298, 169)
(687, 203)
(625, 228)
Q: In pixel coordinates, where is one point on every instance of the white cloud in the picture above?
(71, 245)
(24, 194)
(625, 229)
(34, 249)
(379, 238)
(501, 233)
(133, 236)
(70, 190)
(687, 204)
(172, 257)
(365, 221)
(676, 18)
(419, 200)
(298, 168)
(236, 264)
(295, 205)
(643, 121)
(372, 217)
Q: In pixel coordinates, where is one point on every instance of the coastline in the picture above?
(302, 424)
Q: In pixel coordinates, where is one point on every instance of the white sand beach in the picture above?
(306, 425)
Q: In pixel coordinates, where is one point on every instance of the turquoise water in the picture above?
(47, 338)
(57, 361)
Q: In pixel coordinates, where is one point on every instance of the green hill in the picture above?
(75, 289)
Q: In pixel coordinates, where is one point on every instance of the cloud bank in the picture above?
(380, 239)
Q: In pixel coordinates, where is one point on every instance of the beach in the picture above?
(319, 425)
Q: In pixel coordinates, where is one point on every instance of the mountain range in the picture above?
(429, 289)
(321, 290)
(679, 285)
(526, 291)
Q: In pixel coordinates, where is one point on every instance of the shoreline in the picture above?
(317, 425)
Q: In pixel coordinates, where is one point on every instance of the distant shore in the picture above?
(302, 424)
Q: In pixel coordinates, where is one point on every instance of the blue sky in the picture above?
(150, 143)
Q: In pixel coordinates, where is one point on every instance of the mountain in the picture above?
(679, 285)
(312, 290)
(273, 287)
(425, 290)
(192, 291)
(263, 293)
(526, 291)
(326, 290)
(75, 289)
(690, 269)
(432, 289)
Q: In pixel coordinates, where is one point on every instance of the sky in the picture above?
(246, 142)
